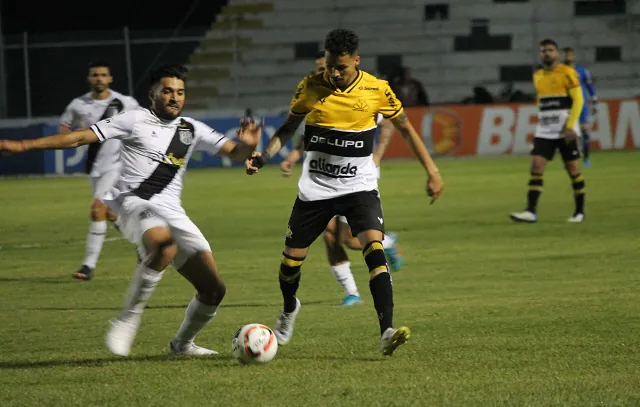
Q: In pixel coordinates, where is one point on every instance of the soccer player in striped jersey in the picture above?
(338, 234)
(103, 159)
(560, 104)
(588, 94)
(339, 175)
(156, 146)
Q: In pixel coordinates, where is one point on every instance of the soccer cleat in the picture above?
(189, 349)
(396, 260)
(85, 273)
(587, 163)
(392, 338)
(120, 336)
(526, 217)
(284, 325)
(576, 218)
(351, 300)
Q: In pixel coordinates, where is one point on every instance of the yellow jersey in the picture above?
(339, 133)
(554, 101)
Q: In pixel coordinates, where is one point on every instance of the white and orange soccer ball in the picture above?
(254, 343)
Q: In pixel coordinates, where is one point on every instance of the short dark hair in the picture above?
(567, 49)
(99, 63)
(169, 71)
(319, 54)
(341, 41)
(548, 41)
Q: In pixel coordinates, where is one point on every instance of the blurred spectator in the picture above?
(481, 96)
(409, 90)
(510, 95)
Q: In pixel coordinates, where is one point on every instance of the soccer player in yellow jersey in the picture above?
(560, 103)
(339, 175)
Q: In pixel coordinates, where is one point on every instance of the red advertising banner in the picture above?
(463, 130)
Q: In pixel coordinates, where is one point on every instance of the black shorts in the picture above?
(309, 219)
(547, 148)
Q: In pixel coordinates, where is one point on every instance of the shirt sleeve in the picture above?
(208, 139)
(131, 103)
(119, 126)
(300, 102)
(390, 105)
(571, 79)
(68, 117)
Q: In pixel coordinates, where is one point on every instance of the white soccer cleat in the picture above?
(576, 218)
(120, 336)
(526, 217)
(284, 325)
(392, 338)
(189, 349)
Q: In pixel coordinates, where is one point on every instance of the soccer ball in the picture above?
(254, 343)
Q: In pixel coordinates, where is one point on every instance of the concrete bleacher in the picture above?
(249, 57)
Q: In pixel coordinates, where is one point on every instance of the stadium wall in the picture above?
(455, 130)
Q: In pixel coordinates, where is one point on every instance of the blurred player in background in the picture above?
(588, 94)
(339, 176)
(560, 104)
(103, 159)
(156, 146)
(338, 233)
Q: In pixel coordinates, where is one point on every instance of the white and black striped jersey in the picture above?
(84, 111)
(155, 152)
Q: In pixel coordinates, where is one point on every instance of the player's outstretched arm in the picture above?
(279, 139)
(59, 141)
(413, 140)
(249, 135)
(386, 134)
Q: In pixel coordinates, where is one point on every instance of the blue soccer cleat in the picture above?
(396, 260)
(351, 300)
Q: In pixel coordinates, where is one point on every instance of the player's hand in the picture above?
(254, 163)
(435, 185)
(286, 167)
(8, 147)
(250, 131)
(569, 134)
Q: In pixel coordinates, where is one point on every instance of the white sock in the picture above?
(345, 278)
(388, 242)
(196, 317)
(95, 240)
(142, 285)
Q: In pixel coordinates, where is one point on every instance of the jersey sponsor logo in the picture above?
(321, 166)
(298, 92)
(337, 142)
(361, 106)
(367, 88)
(391, 99)
(340, 143)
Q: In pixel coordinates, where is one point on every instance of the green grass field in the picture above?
(502, 314)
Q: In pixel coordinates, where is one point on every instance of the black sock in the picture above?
(535, 189)
(290, 280)
(380, 284)
(577, 182)
(585, 144)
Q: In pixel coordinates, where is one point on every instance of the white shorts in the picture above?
(136, 216)
(102, 184)
(343, 219)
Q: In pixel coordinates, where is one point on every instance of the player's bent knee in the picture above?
(212, 293)
(98, 211)
(290, 267)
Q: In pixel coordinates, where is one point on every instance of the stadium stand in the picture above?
(256, 51)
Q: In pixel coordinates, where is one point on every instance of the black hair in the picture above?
(548, 41)
(319, 54)
(169, 71)
(99, 63)
(341, 41)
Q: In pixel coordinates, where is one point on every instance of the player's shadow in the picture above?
(100, 362)
(173, 306)
(38, 280)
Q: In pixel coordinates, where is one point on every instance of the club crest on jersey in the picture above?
(361, 106)
(186, 136)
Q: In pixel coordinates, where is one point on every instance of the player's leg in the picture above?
(543, 151)
(143, 226)
(585, 129)
(570, 154)
(364, 213)
(307, 221)
(95, 240)
(339, 261)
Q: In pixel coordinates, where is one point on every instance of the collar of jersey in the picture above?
(350, 88)
(163, 121)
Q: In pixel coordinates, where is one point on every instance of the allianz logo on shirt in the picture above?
(336, 170)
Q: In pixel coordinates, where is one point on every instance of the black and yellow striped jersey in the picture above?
(340, 127)
(553, 87)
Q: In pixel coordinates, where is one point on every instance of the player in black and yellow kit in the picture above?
(339, 175)
(560, 103)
